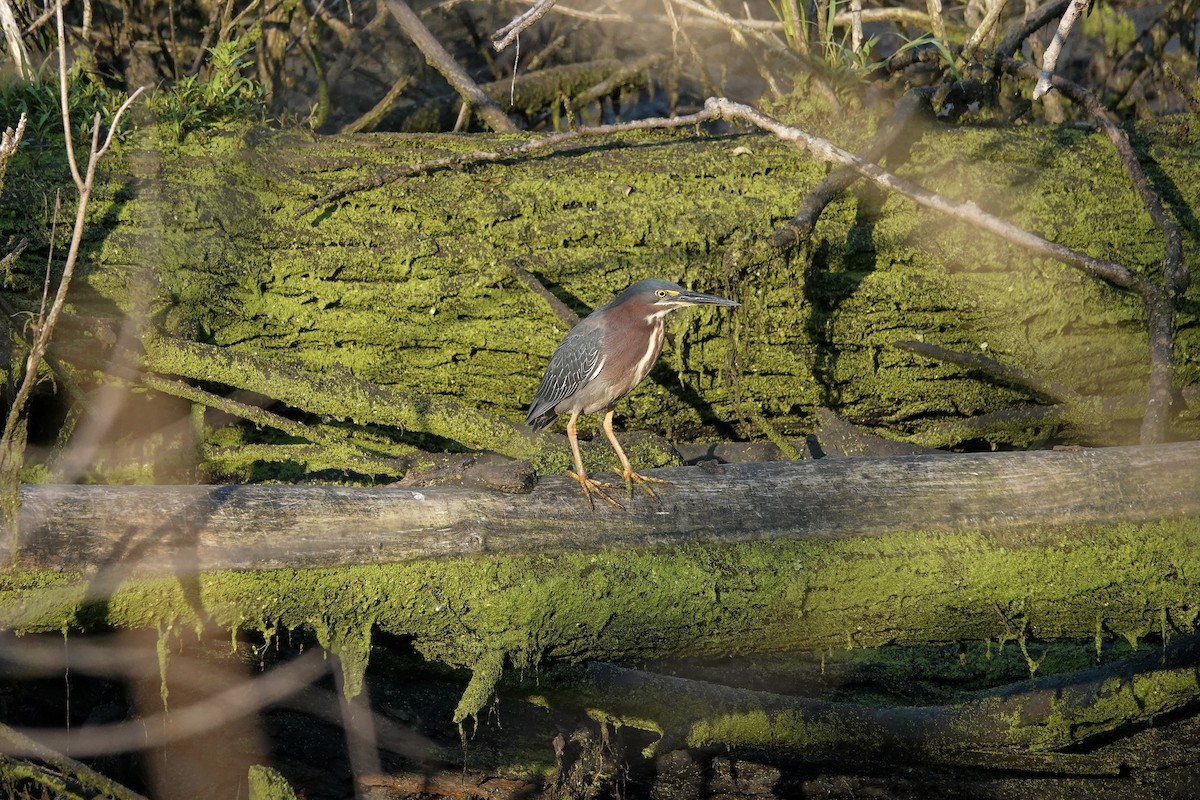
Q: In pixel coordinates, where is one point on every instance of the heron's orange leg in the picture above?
(628, 474)
(588, 485)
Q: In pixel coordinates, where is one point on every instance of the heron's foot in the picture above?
(643, 481)
(591, 487)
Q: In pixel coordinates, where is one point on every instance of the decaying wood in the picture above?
(156, 528)
(1000, 729)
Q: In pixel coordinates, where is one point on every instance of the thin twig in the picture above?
(508, 34)
(1027, 25)
(48, 318)
(41, 20)
(856, 29)
(843, 19)
(371, 118)
(985, 28)
(63, 95)
(11, 139)
(8, 22)
(896, 137)
(755, 32)
(968, 212)
(936, 22)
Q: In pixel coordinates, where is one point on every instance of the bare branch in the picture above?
(63, 95)
(12, 33)
(235, 702)
(508, 34)
(895, 138)
(12, 437)
(1024, 27)
(968, 212)
(372, 117)
(1060, 36)
(985, 28)
(10, 140)
(444, 63)
(1159, 301)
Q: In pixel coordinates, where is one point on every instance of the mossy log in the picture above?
(419, 284)
(1008, 729)
(794, 557)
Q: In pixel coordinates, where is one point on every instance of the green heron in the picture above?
(601, 360)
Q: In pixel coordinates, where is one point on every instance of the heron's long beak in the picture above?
(696, 299)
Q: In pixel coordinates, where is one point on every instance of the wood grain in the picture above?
(1011, 495)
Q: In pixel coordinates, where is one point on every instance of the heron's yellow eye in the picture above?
(661, 293)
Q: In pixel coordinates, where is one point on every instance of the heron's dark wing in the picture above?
(574, 363)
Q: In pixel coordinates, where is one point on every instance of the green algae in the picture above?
(490, 614)
(266, 783)
(414, 285)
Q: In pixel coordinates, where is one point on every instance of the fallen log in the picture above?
(779, 557)
(1010, 727)
(158, 528)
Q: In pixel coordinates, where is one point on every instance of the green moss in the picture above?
(480, 613)
(414, 285)
(266, 783)
(758, 729)
(485, 674)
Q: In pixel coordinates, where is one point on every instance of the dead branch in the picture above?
(1007, 729)
(896, 136)
(12, 438)
(441, 60)
(506, 35)
(1050, 59)
(1159, 301)
(968, 212)
(188, 529)
(1029, 23)
(12, 34)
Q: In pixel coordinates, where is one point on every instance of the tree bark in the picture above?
(1005, 495)
(415, 284)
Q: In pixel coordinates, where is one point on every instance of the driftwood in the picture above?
(156, 528)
